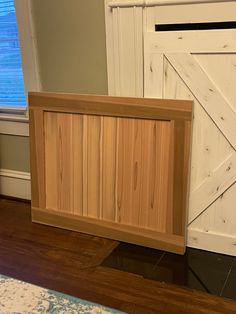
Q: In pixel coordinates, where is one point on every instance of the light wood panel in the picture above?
(109, 161)
(78, 155)
(131, 234)
(124, 171)
(222, 41)
(37, 165)
(210, 97)
(112, 106)
(111, 168)
(94, 154)
(143, 183)
(153, 72)
(126, 37)
(202, 67)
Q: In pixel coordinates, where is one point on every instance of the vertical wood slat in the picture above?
(85, 166)
(128, 39)
(125, 158)
(178, 184)
(51, 161)
(93, 169)
(137, 173)
(59, 162)
(187, 173)
(159, 176)
(78, 163)
(170, 189)
(147, 145)
(117, 167)
(109, 171)
(37, 163)
(65, 175)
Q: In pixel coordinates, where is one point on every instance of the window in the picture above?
(9, 111)
(12, 89)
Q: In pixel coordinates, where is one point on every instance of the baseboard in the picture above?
(18, 128)
(15, 183)
(214, 242)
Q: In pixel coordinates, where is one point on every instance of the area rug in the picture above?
(18, 297)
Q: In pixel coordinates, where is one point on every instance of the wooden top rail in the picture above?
(102, 105)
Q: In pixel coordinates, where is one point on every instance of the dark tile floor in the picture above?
(201, 270)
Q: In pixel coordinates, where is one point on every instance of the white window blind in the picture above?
(12, 91)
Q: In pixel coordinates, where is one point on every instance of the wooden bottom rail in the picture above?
(111, 230)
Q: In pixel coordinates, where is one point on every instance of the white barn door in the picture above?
(198, 65)
(201, 65)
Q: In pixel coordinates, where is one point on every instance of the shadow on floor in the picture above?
(197, 269)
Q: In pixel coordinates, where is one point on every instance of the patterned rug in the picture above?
(18, 297)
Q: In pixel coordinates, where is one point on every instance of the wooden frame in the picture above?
(111, 166)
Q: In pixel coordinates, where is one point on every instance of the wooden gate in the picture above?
(201, 65)
(115, 167)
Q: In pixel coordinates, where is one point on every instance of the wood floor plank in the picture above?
(69, 262)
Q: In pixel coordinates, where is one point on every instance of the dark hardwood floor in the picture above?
(80, 265)
(201, 270)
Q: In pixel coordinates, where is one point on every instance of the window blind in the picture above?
(12, 91)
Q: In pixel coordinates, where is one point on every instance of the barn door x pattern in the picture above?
(201, 65)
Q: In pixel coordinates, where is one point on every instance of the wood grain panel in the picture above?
(136, 170)
(58, 160)
(108, 206)
(98, 227)
(64, 129)
(125, 167)
(51, 160)
(85, 165)
(37, 164)
(113, 106)
(152, 207)
(94, 129)
(144, 147)
(178, 193)
(87, 144)
(77, 163)
(182, 41)
(158, 188)
(170, 187)
(123, 174)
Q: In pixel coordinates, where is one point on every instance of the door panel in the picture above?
(201, 70)
(115, 167)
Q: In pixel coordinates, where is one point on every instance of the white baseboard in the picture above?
(210, 241)
(15, 183)
(10, 127)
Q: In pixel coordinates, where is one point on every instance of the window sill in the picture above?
(12, 124)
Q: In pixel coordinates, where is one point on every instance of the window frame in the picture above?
(14, 121)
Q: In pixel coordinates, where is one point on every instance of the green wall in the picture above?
(71, 48)
(71, 45)
(14, 152)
